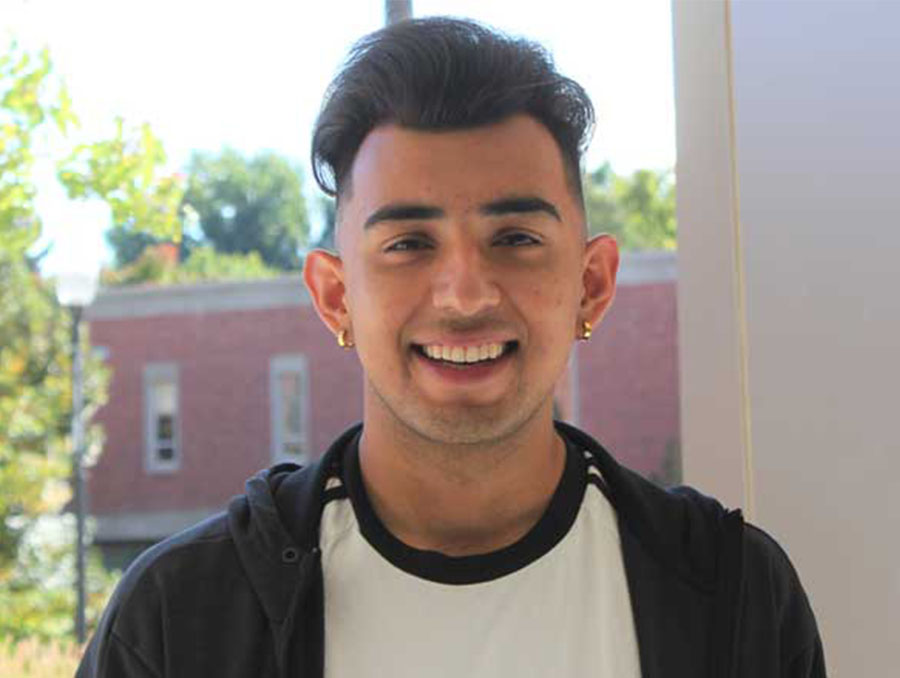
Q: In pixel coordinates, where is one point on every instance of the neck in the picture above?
(460, 499)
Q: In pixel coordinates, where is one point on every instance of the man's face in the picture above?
(462, 264)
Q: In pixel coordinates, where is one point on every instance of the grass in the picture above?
(33, 658)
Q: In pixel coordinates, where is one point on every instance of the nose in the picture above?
(464, 283)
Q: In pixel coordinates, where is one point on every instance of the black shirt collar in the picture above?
(553, 525)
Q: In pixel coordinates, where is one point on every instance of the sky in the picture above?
(250, 75)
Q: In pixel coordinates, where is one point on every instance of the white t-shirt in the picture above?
(555, 603)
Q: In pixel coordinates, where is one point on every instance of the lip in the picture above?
(474, 340)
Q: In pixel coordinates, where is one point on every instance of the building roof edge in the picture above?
(199, 297)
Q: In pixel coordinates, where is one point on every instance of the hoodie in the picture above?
(240, 595)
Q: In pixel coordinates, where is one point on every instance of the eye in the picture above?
(516, 239)
(409, 244)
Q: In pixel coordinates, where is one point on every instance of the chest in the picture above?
(568, 613)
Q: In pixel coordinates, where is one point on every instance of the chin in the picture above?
(467, 426)
(457, 424)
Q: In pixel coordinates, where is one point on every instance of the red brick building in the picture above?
(213, 381)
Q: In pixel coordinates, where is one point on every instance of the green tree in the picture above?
(150, 210)
(249, 205)
(638, 210)
(203, 263)
(35, 402)
(127, 173)
(130, 244)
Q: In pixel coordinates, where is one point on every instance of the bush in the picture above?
(32, 658)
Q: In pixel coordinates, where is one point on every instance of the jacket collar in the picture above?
(270, 555)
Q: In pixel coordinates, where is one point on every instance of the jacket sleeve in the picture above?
(109, 656)
(128, 642)
(778, 620)
(810, 663)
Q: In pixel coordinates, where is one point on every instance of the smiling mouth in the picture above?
(466, 356)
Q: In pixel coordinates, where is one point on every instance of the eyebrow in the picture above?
(519, 205)
(496, 208)
(403, 212)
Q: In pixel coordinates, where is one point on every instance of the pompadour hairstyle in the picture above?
(444, 74)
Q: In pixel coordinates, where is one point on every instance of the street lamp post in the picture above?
(75, 292)
(396, 11)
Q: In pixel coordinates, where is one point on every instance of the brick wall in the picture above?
(223, 364)
(628, 377)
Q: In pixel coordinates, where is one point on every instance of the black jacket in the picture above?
(237, 595)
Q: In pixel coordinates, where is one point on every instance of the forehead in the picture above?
(456, 169)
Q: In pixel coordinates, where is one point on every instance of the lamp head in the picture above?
(75, 290)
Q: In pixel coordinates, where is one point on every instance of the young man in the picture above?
(459, 530)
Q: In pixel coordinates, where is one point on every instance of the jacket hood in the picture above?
(284, 568)
(271, 556)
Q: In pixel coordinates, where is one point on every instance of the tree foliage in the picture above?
(154, 265)
(249, 205)
(638, 210)
(32, 334)
(35, 386)
(245, 217)
(128, 245)
(127, 173)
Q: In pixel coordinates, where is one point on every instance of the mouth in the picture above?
(466, 357)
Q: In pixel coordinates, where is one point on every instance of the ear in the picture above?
(323, 273)
(601, 263)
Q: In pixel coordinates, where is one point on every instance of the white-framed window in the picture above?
(289, 408)
(162, 449)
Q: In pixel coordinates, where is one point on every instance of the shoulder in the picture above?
(193, 553)
(767, 567)
(776, 625)
(232, 576)
(765, 555)
(164, 576)
(775, 608)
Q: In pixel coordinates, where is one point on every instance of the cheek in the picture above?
(545, 307)
(555, 295)
(382, 304)
(552, 308)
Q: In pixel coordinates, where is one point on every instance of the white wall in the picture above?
(789, 252)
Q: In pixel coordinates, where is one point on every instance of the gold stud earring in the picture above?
(586, 330)
(343, 339)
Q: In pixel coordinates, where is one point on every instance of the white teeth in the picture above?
(464, 354)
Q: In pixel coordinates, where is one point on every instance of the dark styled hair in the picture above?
(442, 74)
